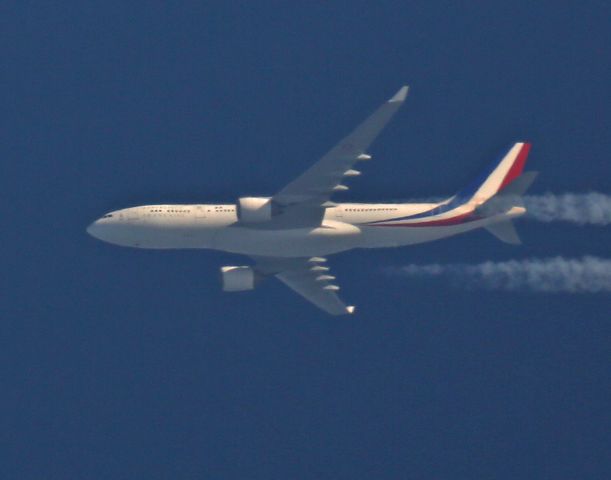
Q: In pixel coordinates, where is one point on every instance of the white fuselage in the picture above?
(344, 227)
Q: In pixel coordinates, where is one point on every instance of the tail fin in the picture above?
(509, 197)
(520, 185)
(498, 176)
(508, 204)
(499, 190)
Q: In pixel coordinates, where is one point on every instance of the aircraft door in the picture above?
(200, 211)
(339, 213)
(131, 214)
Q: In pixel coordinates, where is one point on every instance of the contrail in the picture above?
(579, 208)
(553, 275)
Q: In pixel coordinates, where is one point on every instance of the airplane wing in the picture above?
(309, 278)
(313, 188)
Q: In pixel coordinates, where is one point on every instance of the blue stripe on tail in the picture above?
(463, 196)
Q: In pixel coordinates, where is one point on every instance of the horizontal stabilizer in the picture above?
(509, 197)
(505, 232)
(520, 185)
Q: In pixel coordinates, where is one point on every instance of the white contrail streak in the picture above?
(579, 208)
(555, 275)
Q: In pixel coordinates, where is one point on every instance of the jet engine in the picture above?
(254, 209)
(237, 279)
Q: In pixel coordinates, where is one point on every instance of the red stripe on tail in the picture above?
(516, 169)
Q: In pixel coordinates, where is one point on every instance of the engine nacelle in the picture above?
(254, 209)
(237, 279)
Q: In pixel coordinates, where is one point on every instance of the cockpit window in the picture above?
(108, 215)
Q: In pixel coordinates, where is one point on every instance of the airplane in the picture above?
(288, 235)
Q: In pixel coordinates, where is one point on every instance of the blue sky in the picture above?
(120, 363)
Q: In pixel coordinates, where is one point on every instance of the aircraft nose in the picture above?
(94, 229)
(102, 229)
(110, 231)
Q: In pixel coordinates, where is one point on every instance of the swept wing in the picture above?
(309, 277)
(304, 199)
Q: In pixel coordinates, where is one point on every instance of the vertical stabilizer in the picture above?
(498, 176)
(508, 203)
(509, 197)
